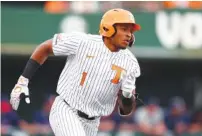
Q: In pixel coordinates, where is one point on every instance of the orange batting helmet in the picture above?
(115, 16)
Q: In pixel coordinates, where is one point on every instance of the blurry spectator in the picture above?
(123, 123)
(56, 7)
(150, 118)
(10, 121)
(8, 116)
(132, 5)
(177, 117)
(106, 5)
(40, 124)
(107, 125)
(41, 117)
(84, 6)
(143, 6)
(150, 6)
(116, 124)
(183, 4)
(195, 127)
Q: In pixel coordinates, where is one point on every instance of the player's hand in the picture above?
(128, 84)
(20, 88)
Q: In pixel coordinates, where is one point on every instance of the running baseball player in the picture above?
(99, 72)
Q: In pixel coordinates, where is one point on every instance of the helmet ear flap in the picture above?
(108, 30)
(115, 30)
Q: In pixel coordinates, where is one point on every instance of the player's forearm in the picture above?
(42, 52)
(38, 57)
(127, 105)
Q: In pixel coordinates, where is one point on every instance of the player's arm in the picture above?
(126, 105)
(38, 57)
(127, 97)
(42, 52)
(61, 45)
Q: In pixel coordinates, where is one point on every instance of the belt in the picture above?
(82, 114)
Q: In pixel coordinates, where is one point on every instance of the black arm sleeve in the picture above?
(30, 68)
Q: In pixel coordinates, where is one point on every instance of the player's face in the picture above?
(123, 35)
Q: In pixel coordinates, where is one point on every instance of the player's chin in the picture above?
(123, 47)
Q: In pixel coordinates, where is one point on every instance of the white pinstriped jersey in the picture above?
(90, 80)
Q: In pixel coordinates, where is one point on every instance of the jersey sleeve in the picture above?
(135, 73)
(132, 73)
(136, 69)
(66, 44)
(133, 65)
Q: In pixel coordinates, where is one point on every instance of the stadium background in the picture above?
(169, 50)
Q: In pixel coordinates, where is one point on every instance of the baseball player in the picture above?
(99, 72)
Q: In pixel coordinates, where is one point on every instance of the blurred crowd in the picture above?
(102, 6)
(150, 119)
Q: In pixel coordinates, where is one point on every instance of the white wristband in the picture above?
(127, 94)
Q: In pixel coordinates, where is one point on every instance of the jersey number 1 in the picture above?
(115, 80)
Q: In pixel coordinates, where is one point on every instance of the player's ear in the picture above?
(132, 40)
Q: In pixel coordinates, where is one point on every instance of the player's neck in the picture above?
(110, 46)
